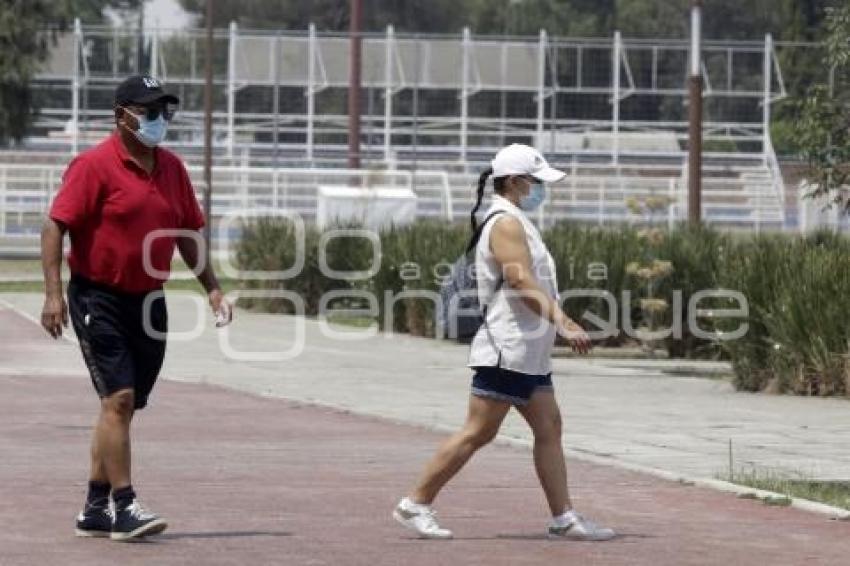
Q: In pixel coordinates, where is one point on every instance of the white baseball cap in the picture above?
(519, 159)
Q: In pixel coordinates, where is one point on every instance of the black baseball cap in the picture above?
(142, 89)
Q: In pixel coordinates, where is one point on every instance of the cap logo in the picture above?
(538, 160)
(150, 82)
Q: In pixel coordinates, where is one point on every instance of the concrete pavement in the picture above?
(625, 412)
(248, 480)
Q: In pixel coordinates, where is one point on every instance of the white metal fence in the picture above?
(736, 196)
(453, 99)
(821, 213)
(611, 111)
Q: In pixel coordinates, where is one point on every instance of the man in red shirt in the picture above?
(113, 201)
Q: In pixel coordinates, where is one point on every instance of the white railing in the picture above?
(775, 172)
(732, 195)
(737, 196)
(296, 189)
(26, 191)
(821, 213)
(25, 194)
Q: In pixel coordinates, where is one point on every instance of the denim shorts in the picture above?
(506, 385)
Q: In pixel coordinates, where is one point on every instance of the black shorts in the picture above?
(110, 325)
(509, 386)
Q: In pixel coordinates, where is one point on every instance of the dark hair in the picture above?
(498, 185)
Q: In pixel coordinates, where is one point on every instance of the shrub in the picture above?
(579, 255)
(797, 289)
(415, 258)
(270, 245)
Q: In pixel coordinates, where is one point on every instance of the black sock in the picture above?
(123, 497)
(98, 495)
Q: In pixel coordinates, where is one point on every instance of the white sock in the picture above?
(408, 503)
(564, 520)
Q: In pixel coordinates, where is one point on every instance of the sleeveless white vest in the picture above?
(513, 336)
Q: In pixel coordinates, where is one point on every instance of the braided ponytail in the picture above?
(482, 182)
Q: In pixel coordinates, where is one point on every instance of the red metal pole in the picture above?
(695, 85)
(354, 86)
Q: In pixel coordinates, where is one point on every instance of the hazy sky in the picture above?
(166, 14)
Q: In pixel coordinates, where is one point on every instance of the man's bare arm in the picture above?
(193, 256)
(54, 315)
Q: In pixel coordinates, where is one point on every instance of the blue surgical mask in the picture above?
(150, 132)
(535, 197)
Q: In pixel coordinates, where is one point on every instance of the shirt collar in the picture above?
(124, 155)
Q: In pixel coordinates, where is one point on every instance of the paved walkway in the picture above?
(628, 412)
(248, 480)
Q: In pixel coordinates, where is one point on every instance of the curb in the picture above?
(829, 511)
(742, 491)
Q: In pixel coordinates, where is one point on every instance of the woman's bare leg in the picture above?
(483, 420)
(544, 417)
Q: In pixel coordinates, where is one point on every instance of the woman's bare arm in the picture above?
(510, 249)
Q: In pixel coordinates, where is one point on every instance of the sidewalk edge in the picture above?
(832, 512)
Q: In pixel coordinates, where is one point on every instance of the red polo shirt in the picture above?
(109, 204)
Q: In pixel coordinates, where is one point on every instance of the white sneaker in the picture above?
(581, 529)
(420, 518)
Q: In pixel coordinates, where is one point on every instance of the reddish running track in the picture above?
(249, 480)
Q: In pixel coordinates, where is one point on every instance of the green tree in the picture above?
(434, 16)
(724, 19)
(515, 17)
(824, 138)
(28, 28)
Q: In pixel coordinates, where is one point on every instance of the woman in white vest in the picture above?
(511, 351)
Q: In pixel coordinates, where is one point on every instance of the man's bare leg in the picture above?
(112, 439)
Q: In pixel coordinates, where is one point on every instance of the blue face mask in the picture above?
(150, 132)
(534, 198)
